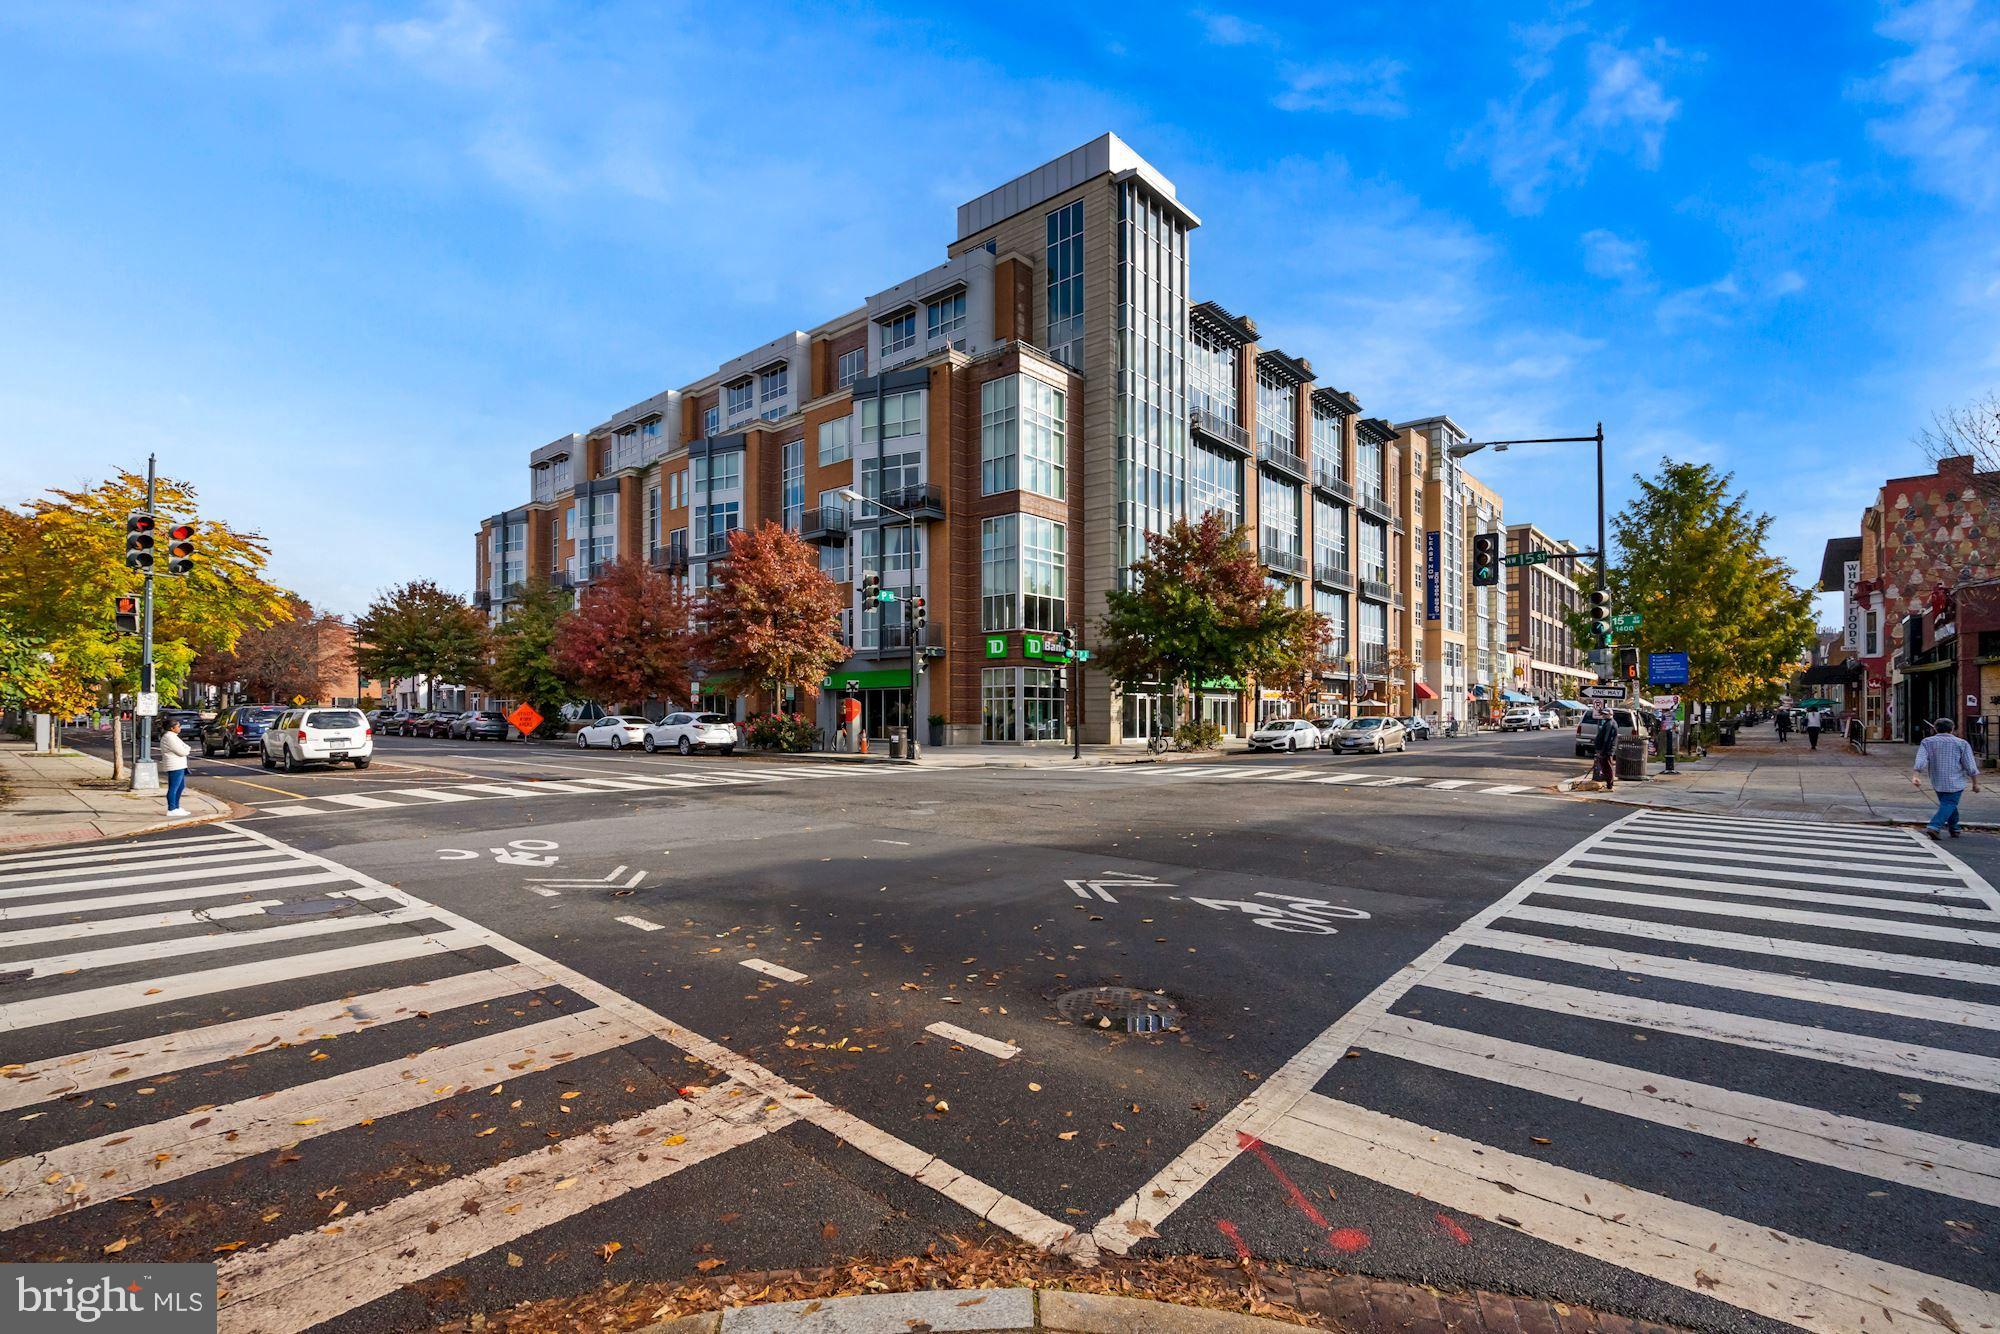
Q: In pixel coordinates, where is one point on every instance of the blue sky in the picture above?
(343, 265)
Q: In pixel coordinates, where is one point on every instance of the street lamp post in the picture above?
(909, 629)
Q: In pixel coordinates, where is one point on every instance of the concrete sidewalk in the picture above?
(1761, 776)
(70, 797)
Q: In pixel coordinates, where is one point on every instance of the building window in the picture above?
(996, 705)
(677, 489)
(597, 545)
(1277, 414)
(902, 413)
(738, 397)
(1278, 514)
(1042, 573)
(1329, 535)
(1215, 482)
(1149, 413)
(650, 428)
(1021, 436)
(792, 469)
(713, 524)
(1368, 467)
(1374, 550)
(833, 441)
(561, 471)
(1327, 452)
(717, 472)
(1333, 606)
(893, 552)
(899, 332)
(652, 521)
(711, 421)
(851, 367)
(999, 573)
(998, 444)
(1022, 573)
(945, 316)
(1041, 704)
(1213, 389)
(773, 385)
(1065, 270)
(889, 474)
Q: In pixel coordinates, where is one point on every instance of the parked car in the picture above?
(238, 729)
(479, 725)
(380, 718)
(1329, 728)
(190, 723)
(615, 730)
(436, 723)
(689, 732)
(1630, 725)
(1418, 728)
(317, 736)
(403, 722)
(1285, 734)
(1377, 734)
(1522, 719)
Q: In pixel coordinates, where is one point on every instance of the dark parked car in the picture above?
(238, 729)
(190, 724)
(480, 725)
(1418, 729)
(379, 718)
(403, 722)
(436, 723)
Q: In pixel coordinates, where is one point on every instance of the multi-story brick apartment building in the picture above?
(1463, 655)
(1923, 614)
(1024, 413)
(1539, 598)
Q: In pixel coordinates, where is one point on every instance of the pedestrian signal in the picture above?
(125, 615)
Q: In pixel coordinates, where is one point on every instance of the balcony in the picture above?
(1277, 455)
(925, 501)
(1398, 524)
(562, 580)
(482, 600)
(1283, 560)
(1333, 573)
(673, 558)
(1374, 502)
(1375, 590)
(1396, 601)
(825, 526)
(895, 636)
(1327, 478)
(1373, 660)
(1230, 435)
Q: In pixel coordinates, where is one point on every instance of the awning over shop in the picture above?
(1425, 692)
(1832, 673)
(878, 678)
(1571, 704)
(1516, 697)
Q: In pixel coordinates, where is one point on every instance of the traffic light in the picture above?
(1628, 664)
(871, 588)
(125, 615)
(180, 548)
(1600, 614)
(139, 541)
(1485, 560)
(1067, 641)
(919, 614)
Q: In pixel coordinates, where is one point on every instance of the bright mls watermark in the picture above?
(158, 1299)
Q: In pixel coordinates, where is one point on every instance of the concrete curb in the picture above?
(971, 1311)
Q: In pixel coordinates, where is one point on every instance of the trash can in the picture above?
(1631, 756)
(899, 744)
(1726, 734)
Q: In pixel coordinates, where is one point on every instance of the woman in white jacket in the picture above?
(174, 763)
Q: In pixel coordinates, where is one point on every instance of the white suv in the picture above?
(689, 732)
(1521, 720)
(318, 736)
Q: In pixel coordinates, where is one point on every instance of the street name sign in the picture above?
(1604, 692)
(1630, 620)
(1527, 558)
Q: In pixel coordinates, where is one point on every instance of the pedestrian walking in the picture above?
(173, 763)
(1784, 724)
(1951, 765)
(1815, 720)
(1604, 748)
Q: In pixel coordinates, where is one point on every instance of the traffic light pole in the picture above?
(1601, 561)
(145, 771)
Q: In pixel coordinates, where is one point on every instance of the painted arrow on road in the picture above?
(610, 880)
(1083, 889)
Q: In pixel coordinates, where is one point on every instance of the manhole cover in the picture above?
(1120, 1010)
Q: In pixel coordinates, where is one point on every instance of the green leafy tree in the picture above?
(524, 662)
(1198, 610)
(773, 615)
(1290, 659)
(419, 629)
(1692, 561)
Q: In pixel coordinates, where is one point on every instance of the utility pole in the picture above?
(145, 771)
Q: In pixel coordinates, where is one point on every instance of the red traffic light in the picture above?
(138, 523)
(181, 532)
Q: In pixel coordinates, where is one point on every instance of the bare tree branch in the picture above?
(1972, 428)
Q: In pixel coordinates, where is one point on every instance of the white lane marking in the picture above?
(1005, 1051)
(280, 809)
(113, 926)
(147, 1057)
(1689, 854)
(103, 1169)
(359, 802)
(313, 1277)
(1790, 877)
(1341, 778)
(154, 878)
(1447, 784)
(1873, 926)
(1392, 782)
(1886, 1152)
(63, 907)
(545, 891)
(495, 789)
(1674, 933)
(615, 784)
(433, 794)
(1920, 899)
(1002, 1210)
(1825, 833)
(225, 940)
(1788, 1278)
(640, 922)
(1850, 995)
(104, 856)
(100, 1001)
(1502, 788)
(779, 971)
(1722, 848)
(156, 862)
(1937, 1064)
(895, 842)
(556, 785)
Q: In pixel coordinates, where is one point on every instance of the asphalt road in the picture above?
(726, 1013)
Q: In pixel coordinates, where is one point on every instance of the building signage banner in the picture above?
(996, 646)
(1433, 567)
(1850, 575)
(1667, 669)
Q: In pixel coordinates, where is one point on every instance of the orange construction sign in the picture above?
(525, 719)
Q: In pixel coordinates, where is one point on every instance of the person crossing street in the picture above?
(1950, 765)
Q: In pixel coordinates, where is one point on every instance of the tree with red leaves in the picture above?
(631, 637)
(773, 615)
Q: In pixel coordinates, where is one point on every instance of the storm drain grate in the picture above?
(1120, 1009)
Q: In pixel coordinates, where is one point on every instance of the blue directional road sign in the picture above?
(1667, 669)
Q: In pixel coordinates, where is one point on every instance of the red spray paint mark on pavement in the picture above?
(1453, 1230)
(1346, 1240)
(1228, 1229)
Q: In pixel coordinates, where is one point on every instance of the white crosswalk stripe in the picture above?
(118, 1020)
(1317, 776)
(1765, 1039)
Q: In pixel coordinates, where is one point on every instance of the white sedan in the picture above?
(689, 732)
(614, 730)
(1286, 734)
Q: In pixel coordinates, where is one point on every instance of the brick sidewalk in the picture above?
(70, 797)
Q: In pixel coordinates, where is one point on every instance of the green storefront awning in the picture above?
(879, 678)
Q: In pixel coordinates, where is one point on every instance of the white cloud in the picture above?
(1232, 30)
(1370, 88)
(1609, 255)
(455, 43)
(1944, 96)
(1626, 97)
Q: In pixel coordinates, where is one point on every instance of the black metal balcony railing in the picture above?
(1396, 601)
(1333, 573)
(895, 637)
(1283, 457)
(562, 579)
(1224, 432)
(1374, 501)
(826, 525)
(924, 501)
(673, 558)
(1373, 661)
(1375, 590)
(1328, 479)
(1283, 559)
(1397, 523)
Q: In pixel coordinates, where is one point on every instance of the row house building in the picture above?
(1920, 594)
(1010, 425)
